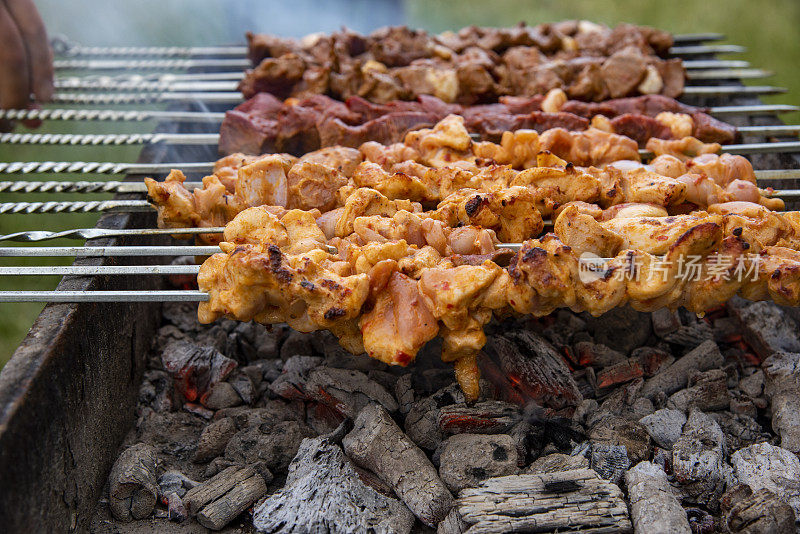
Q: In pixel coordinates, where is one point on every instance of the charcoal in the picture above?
(220, 499)
(576, 500)
(753, 385)
(183, 315)
(243, 385)
(213, 440)
(691, 333)
(725, 328)
(740, 430)
(324, 493)
(422, 421)
(654, 509)
(132, 486)
(614, 430)
(487, 417)
(176, 510)
(766, 327)
(199, 410)
(404, 393)
(221, 395)
(217, 465)
(466, 459)
(272, 412)
(676, 376)
(769, 467)
(782, 387)
(255, 342)
(296, 344)
(535, 369)
(452, 524)
(173, 481)
(552, 463)
(622, 329)
(698, 460)
(585, 411)
(652, 359)
(521, 434)
(743, 405)
(609, 461)
(157, 391)
(707, 391)
(275, 445)
(351, 389)
(343, 391)
(619, 373)
(756, 512)
(664, 426)
(377, 443)
(173, 433)
(665, 321)
(195, 368)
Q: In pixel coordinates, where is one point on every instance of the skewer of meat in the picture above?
(265, 124)
(401, 64)
(389, 298)
(444, 166)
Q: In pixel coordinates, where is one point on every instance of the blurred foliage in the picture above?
(770, 30)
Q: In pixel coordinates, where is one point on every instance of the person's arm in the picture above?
(26, 60)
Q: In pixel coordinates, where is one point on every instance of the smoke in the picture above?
(208, 22)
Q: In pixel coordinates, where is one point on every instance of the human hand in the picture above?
(26, 60)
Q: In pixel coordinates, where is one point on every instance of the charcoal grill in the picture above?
(66, 396)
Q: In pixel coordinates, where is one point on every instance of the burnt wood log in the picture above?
(325, 493)
(534, 369)
(215, 487)
(553, 502)
(676, 376)
(487, 417)
(782, 387)
(132, 484)
(654, 508)
(239, 498)
(377, 443)
(766, 466)
(759, 512)
(766, 327)
(698, 460)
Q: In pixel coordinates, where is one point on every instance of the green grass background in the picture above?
(769, 29)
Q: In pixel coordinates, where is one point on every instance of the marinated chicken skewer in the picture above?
(443, 165)
(389, 298)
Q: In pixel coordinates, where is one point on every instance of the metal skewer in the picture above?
(105, 296)
(74, 51)
(113, 251)
(724, 74)
(83, 99)
(97, 167)
(98, 233)
(154, 86)
(115, 206)
(732, 90)
(696, 37)
(696, 50)
(151, 64)
(109, 139)
(99, 270)
(110, 115)
(217, 117)
(213, 139)
(52, 186)
(235, 97)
